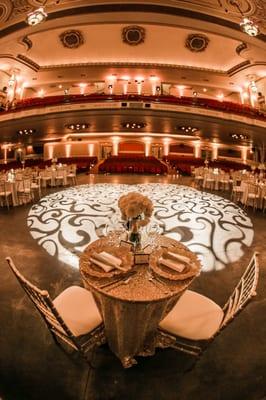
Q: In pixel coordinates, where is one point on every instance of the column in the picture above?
(244, 153)
(115, 141)
(214, 151)
(166, 145)
(147, 142)
(197, 150)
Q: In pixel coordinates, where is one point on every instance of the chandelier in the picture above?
(36, 17)
(247, 25)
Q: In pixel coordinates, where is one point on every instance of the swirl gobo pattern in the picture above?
(64, 223)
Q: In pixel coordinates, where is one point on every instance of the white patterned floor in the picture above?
(64, 223)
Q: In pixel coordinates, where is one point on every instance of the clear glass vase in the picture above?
(134, 234)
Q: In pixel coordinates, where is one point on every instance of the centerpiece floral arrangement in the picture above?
(136, 210)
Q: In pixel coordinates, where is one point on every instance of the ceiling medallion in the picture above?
(71, 39)
(196, 42)
(133, 35)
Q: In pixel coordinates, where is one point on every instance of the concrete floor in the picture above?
(33, 367)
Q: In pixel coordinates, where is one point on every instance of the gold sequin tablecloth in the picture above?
(132, 309)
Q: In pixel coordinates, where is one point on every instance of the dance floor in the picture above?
(219, 231)
(60, 226)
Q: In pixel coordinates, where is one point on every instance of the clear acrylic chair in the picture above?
(196, 320)
(72, 317)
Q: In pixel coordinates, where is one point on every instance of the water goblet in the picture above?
(114, 231)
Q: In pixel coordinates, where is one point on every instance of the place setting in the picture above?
(171, 264)
(107, 264)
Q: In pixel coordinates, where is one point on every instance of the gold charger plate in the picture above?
(95, 271)
(163, 271)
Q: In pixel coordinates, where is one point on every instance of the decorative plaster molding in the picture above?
(28, 62)
(71, 39)
(26, 41)
(133, 64)
(241, 47)
(6, 8)
(196, 43)
(239, 67)
(133, 35)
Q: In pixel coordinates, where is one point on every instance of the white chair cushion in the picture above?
(194, 317)
(78, 310)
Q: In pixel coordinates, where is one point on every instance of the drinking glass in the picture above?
(150, 233)
(114, 231)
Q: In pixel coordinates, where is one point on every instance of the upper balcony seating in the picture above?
(211, 104)
(132, 164)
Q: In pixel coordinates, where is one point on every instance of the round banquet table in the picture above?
(132, 309)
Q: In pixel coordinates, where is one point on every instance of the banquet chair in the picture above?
(72, 317)
(196, 320)
(252, 195)
(36, 186)
(72, 175)
(24, 191)
(237, 189)
(4, 194)
(60, 177)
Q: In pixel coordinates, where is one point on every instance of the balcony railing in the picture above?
(203, 103)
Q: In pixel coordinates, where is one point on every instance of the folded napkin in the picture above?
(178, 257)
(106, 261)
(175, 265)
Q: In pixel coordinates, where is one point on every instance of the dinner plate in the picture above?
(191, 269)
(96, 271)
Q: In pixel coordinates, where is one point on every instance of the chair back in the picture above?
(3, 188)
(243, 292)
(46, 308)
(253, 188)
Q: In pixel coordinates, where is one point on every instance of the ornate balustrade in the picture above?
(201, 103)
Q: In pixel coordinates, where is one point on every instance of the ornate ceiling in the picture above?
(195, 43)
(12, 11)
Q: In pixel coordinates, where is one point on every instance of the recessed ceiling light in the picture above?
(133, 125)
(239, 136)
(77, 127)
(187, 129)
(26, 131)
